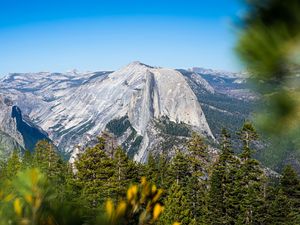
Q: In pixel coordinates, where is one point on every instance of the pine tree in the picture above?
(222, 202)
(125, 173)
(163, 171)
(47, 159)
(157, 170)
(12, 166)
(290, 186)
(179, 169)
(94, 174)
(198, 152)
(278, 207)
(247, 135)
(27, 160)
(250, 180)
(216, 206)
(176, 207)
(197, 183)
(151, 169)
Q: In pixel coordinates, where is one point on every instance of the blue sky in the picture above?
(59, 35)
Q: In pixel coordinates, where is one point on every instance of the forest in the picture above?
(104, 186)
(197, 185)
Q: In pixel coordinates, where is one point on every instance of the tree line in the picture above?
(104, 186)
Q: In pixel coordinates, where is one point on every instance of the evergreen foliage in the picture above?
(290, 187)
(177, 207)
(103, 187)
(118, 126)
(94, 173)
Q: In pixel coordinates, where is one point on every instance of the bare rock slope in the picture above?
(73, 108)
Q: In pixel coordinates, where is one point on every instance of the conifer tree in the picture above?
(179, 169)
(157, 170)
(27, 160)
(198, 153)
(278, 208)
(197, 183)
(231, 166)
(222, 202)
(125, 173)
(12, 166)
(216, 206)
(94, 174)
(247, 135)
(163, 179)
(151, 169)
(176, 207)
(46, 158)
(250, 179)
(290, 186)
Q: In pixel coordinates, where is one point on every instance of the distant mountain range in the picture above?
(146, 108)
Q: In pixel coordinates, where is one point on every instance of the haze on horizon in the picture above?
(105, 35)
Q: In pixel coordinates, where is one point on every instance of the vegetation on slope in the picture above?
(109, 188)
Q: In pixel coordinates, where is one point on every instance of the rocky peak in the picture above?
(72, 113)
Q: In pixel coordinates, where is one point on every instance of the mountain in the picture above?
(10, 138)
(225, 98)
(146, 108)
(16, 132)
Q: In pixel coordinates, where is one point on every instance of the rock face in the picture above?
(10, 137)
(73, 108)
(16, 132)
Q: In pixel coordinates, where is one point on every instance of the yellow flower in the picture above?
(176, 223)
(143, 181)
(157, 211)
(121, 208)
(154, 188)
(109, 208)
(157, 196)
(18, 207)
(132, 191)
(28, 198)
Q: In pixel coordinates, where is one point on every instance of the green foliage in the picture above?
(269, 46)
(125, 173)
(102, 187)
(250, 179)
(224, 111)
(290, 186)
(157, 170)
(176, 207)
(268, 29)
(180, 168)
(222, 198)
(118, 126)
(135, 146)
(100, 176)
(278, 208)
(172, 128)
(94, 170)
(47, 159)
(11, 167)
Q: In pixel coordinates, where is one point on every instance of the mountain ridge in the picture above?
(74, 108)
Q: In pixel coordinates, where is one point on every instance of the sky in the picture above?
(93, 35)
